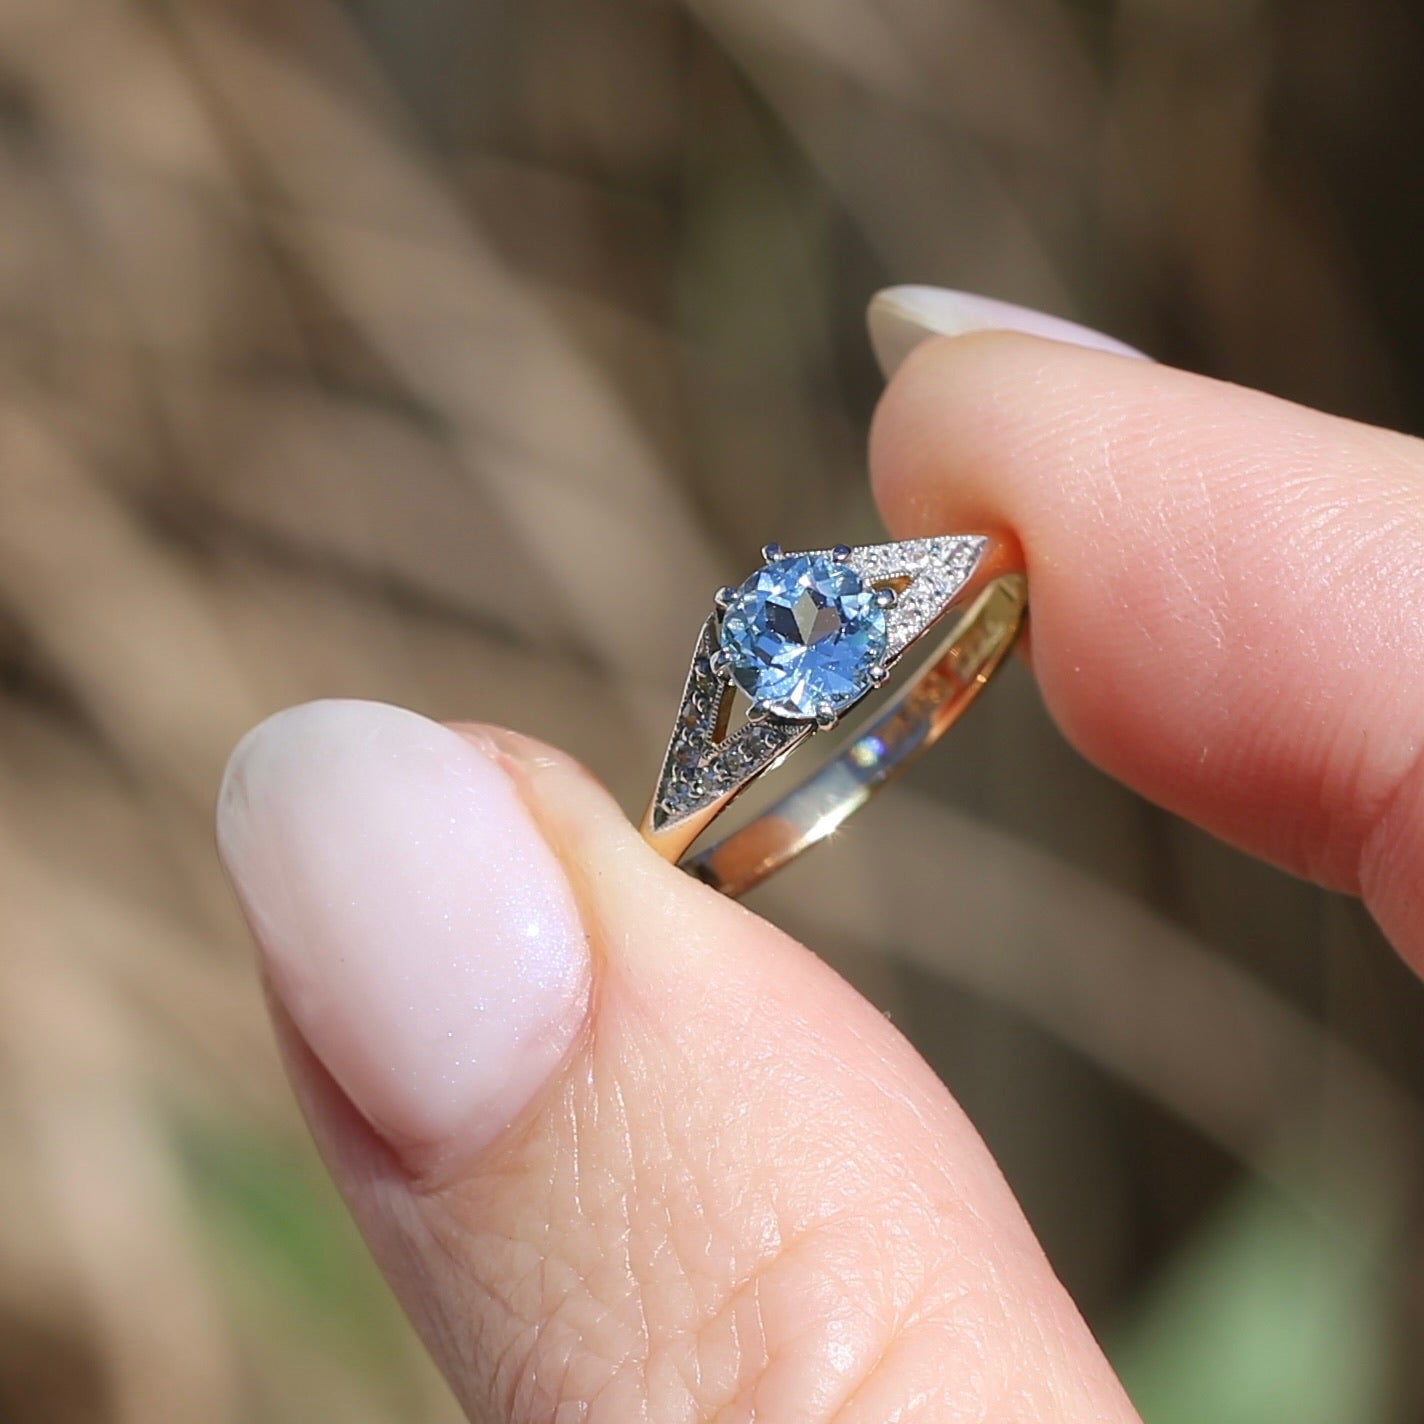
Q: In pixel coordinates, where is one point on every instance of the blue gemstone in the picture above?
(803, 633)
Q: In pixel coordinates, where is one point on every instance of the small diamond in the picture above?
(803, 633)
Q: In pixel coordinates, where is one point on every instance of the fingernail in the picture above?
(900, 318)
(417, 928)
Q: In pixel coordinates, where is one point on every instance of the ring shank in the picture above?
(911, 721)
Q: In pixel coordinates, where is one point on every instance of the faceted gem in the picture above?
(803, 633)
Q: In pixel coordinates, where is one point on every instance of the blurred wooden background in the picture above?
(370, 348)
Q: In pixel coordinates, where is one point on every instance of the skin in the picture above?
(741, 1195)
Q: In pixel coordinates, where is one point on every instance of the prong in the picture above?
(720, 663)
(885, 597)
(826, 716)
(757, 713)
(770, 552)
(723, 597)
(878, 674)
(841, 553)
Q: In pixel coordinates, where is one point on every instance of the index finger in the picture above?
(1225, 589)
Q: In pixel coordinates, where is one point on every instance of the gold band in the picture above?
(984, 620)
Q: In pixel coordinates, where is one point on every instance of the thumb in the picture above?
(625, 1151)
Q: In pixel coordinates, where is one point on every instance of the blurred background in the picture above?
(371, 349)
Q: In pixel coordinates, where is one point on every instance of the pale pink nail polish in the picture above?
(900, 318)
(418, 929)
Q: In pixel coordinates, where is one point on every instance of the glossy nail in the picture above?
(900, 318)
(419, 931)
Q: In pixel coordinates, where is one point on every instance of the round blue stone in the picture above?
(803, 633)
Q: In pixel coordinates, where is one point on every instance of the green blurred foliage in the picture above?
(1278, 1308)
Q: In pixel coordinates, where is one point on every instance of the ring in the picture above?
(786, 655)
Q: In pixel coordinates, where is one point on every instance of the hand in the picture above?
(627, 1152)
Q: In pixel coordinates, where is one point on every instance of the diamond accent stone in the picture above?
(802, 634)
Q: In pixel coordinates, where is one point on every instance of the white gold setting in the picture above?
(916, 581)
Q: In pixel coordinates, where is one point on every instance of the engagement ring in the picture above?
(787, 654)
